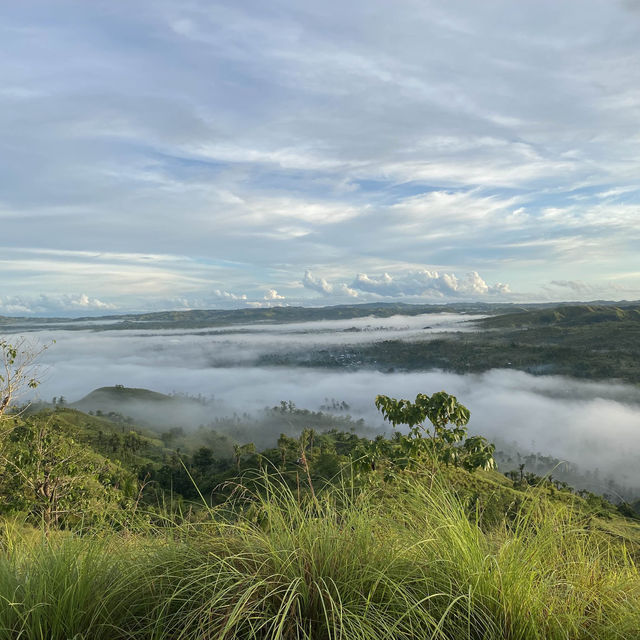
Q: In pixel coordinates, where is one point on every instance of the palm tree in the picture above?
(242, 450)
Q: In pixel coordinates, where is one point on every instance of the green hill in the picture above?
(200, 318)
(144, 407)
(110, 397)
(565, 316)
(188, 463)
(119, 397)
(597, 342)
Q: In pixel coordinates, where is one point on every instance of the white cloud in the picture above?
(226, 295)
(51, 304)
(316, 284)
(427, 283)
(272, 294)
(344, 290)
(476, 141)
(319, 284)
(500, 288)
(574, 285)
(85, 302)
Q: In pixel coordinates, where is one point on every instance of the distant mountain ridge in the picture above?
(200, 318)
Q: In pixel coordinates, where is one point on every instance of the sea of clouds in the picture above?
(593, 424)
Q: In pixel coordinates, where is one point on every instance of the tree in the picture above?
(132, 442)
(203, 459)
(307, 438)
(444, 440)
(46, 473)
(244, 450)
(18, 371)
(287, 447)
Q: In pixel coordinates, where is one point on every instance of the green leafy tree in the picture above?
(437, 427)
(307, 439)
(203, 458)
(288, 448)
(132, 442)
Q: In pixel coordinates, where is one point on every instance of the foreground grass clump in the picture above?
(394, 562)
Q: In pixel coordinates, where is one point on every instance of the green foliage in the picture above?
(239, 451)
(444, 440)
(298, 545)
(47, 475)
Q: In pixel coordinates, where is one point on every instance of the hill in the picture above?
(596, 342)
(191, 421)
(565, 316)
(189, 462)
(202, 318)
(109, 397)
(145, 407)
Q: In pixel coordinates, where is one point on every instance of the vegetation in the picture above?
(586, 341)
(47, 475)
(17, 371)
(202, 318)
(401, 561)
(443, 442)
(303, 541)
(109, 531)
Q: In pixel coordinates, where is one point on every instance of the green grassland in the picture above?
(407, 562)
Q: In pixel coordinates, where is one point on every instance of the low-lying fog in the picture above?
(595, 425)
(241, 344)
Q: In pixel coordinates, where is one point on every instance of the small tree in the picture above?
(18, 371)
(242, 450)
(444, 439)
(287, 447)
(46, 473)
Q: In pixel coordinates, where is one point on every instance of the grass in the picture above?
(394, 562)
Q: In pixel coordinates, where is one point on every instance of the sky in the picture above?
(165, 154)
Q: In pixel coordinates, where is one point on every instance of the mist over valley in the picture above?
(558, 416)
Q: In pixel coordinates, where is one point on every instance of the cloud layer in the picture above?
(169, 153)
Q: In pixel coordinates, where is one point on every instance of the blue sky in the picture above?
(179, 154)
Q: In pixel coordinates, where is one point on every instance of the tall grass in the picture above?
(395, 563)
